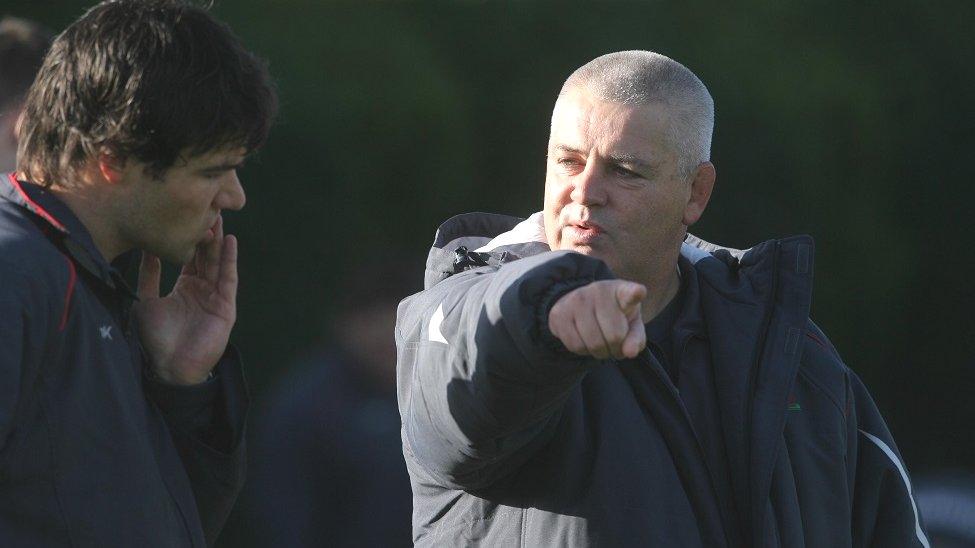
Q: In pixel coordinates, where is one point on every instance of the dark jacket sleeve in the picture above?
(481, 379)
(207, 425)
(885, 512)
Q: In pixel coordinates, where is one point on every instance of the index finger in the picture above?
(227, 281)
(213, 252)
(636, 339)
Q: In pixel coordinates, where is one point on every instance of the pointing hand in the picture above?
(601, 319)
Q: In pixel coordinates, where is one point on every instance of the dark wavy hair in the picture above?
(154, 80)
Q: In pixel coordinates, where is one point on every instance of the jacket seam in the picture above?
(821, 388)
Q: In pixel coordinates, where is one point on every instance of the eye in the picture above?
(570, 164)
(626, 173)
(213, 175)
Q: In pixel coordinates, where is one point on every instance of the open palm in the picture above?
(185, 332)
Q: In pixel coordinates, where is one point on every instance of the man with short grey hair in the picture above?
(596, 375)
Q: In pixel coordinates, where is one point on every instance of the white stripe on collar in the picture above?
(531, 229)
(693, 253)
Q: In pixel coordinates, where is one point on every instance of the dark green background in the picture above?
(853, 123)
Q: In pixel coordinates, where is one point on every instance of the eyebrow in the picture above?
(619, 159)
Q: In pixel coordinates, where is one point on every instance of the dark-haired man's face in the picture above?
(612, 187)
(171, 215)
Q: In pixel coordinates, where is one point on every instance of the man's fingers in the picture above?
(150, 271)
(614, 326)
(212, 251)
(629, 296)
(636, 338)
(591, 335)
(227, 281)
(565, 331)
(601, 319)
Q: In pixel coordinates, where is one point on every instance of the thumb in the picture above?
(629, 297)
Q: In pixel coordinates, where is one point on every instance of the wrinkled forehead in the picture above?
(582, 121)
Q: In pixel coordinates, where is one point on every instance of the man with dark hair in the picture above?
(593, 375)
(22, 47)
(121, 412)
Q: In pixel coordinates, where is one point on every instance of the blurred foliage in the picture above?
(852, 122)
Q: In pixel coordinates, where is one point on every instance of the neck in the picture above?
(89, 206)
(661, 289)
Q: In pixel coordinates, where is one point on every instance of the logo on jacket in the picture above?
(433, 330)
(792, 404)
(106, 331)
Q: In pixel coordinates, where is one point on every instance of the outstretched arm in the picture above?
(482, 373)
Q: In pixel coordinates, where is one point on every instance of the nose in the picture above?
(588, 187)
(232, 194)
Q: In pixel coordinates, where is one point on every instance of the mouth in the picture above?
(581, 232)
(211, 231)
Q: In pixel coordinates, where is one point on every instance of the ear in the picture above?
(111, 166)
(701, 187)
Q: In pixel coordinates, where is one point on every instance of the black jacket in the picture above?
(512, 441)
(92, 452)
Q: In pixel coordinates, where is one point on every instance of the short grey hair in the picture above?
(643, 78)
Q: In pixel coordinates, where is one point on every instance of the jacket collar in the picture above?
(65, 227)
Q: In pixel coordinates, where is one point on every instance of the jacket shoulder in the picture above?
(29, 257)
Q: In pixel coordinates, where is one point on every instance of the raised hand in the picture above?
(601, 319)
(186, 332)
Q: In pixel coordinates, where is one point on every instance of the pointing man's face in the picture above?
(612, 187)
